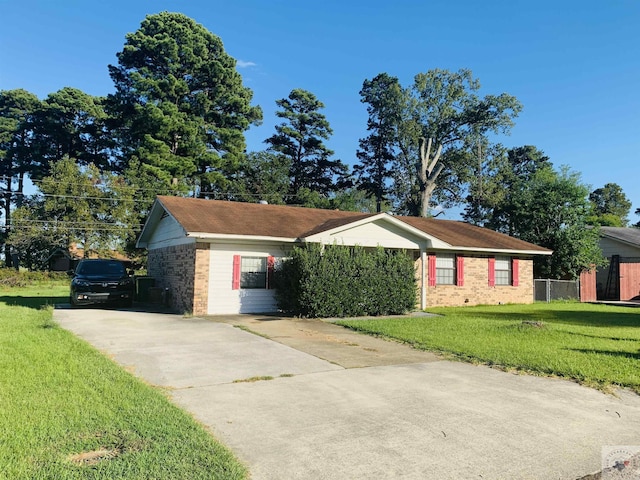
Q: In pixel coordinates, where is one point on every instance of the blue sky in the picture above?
(574, 65)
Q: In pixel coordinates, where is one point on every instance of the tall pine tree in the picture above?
(373, 172)
(299, 139)
(181, 104)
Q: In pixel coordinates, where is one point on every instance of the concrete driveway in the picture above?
(401, 414)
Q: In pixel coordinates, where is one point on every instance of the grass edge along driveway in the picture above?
(74, 414)
(596, 345)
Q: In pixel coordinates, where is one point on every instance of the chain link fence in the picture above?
(545, 290)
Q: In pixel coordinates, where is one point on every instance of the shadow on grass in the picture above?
(597, 317)
(613, 353)
(33, 302)
(603, 337)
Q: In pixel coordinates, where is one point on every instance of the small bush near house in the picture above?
(342, 281)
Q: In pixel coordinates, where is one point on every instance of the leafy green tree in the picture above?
(500, 175)
(376, 154)
(299, 140)
(441, 110)
(262, 176)
(445, 107)
(551, 210)
(17, 109)
(78, 206)
(610, 206)
(356, 200)
(180, 104)
(637, 225)
(71, 123)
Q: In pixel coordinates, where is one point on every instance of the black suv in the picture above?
(102, 281)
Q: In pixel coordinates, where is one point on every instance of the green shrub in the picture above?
(10, 277)
(341, 281)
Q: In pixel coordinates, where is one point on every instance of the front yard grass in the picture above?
(68, 412)
(596, 345)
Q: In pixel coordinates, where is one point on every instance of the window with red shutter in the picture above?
(235, 283)
(460, 271)
(515, 272)
(271, 263)
(492, 271)
(431, 262)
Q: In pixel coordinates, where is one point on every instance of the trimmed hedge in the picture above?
(342, 281)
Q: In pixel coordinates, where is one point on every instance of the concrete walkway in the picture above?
(327, 341)
(401, 414)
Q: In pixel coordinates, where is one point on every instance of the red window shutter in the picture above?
(271, 263)
(492, 272)
(235, 285)
(460, 271)
(515, 273)
(431, 262)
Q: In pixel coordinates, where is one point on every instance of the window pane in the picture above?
(253, 280)
(503, 271)
(445, 269)
(502, 278)
(444, 276)
(253, 272)
(444, 260)
(503, 263)
(254, 264)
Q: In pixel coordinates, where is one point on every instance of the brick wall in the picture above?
(476, 289)
(174, 268)
(201, 280)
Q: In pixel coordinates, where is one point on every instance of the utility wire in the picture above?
(155, 190)
(215, 194)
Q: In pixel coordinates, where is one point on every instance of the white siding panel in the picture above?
(222, 298)
(374, 234)
(167, 233)
(612, 247)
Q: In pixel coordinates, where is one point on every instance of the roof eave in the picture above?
(618, 239)
(155, 215)
(237, 238)
(508, 251)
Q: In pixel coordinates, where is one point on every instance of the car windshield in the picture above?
(101, 268)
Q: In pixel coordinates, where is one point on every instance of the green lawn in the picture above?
(596, 345)
(68, 412)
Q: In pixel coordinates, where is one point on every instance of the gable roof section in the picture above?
(222, 217)
(218, 218)
(630, 236)
(461, 234)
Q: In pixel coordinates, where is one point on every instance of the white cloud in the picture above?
(243, 64)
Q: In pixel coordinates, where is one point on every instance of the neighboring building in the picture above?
(62, 260)
(215, 257)
(66, 259)
(620, 279)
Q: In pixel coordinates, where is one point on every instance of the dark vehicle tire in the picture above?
(128, 303)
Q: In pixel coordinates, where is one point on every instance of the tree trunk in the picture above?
(7, 221)
(428, 174)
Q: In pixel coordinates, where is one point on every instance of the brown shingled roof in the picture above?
(237, 218)
(252, 219)
(461, 234)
